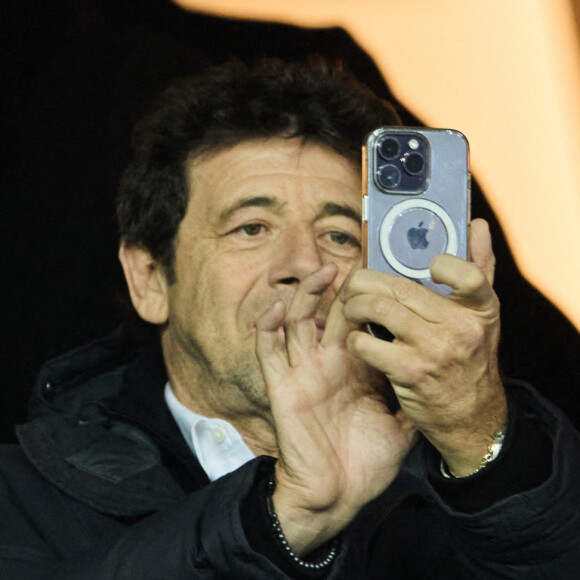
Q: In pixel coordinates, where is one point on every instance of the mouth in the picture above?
(320, 324)
(320, 327)
(319, 319)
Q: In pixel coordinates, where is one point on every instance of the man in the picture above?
(240, 240)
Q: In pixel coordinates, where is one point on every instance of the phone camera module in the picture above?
(413, 163)
(400, 161)
(388, 176)
(388, 148)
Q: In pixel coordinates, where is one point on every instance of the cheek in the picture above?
(227, 293)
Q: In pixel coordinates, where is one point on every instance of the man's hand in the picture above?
(339, 446)
(443, 361)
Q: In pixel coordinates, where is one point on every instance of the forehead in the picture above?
(274, 167)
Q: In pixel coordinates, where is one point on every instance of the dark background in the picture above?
(76, 74)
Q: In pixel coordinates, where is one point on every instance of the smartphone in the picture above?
(416, 200)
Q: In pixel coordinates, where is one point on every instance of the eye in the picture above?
(342, 238)
(251, 230)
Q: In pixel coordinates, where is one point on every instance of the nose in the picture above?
(297, 256)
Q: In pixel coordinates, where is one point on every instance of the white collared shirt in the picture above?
(217, 445)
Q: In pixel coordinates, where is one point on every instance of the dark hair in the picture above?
(314, 100)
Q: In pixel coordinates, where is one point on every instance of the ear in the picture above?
(147, 283)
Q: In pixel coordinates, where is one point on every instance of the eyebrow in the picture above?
(258, 201)
(331, 209)
(328, 210)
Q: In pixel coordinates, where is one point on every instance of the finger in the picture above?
(402, 322)
(405, 368)
(420, 300)
(471, 282)
(271, 343)
(271, 320)
(395, 360)
(300, 324)
(471, 287)
(337, 327)
(480, 248)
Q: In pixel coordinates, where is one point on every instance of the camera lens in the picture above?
(388, 148)
(389, 176)
(413, 163)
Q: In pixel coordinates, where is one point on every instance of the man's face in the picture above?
(262, 216)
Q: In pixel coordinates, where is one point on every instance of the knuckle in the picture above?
(439, 351)
(453, 344)
(494, 306)
(418, 374)
(356, 278)
(291, 319)
(295, 320)
(463, 340)
(355, 341)
(404, 290)
(381, 307)
(354, 284)
(470, 333)
(473, 278)
(435, 363)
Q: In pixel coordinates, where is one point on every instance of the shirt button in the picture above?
(218, 434)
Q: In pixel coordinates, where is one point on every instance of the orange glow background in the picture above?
(505, 73)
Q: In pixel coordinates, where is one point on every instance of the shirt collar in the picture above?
(217, 444)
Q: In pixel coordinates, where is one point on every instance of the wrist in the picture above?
(307, 520)
(493, 451)
(304, 530)
(469, 448)
(299, 544)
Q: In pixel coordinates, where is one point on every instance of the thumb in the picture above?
(480, 249)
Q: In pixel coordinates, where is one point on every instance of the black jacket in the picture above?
(103, 487)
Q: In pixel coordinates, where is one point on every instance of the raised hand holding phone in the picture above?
(441, 323)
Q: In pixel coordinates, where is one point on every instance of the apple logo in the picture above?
(417, 237)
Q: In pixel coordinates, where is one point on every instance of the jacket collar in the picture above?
(101, 431)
